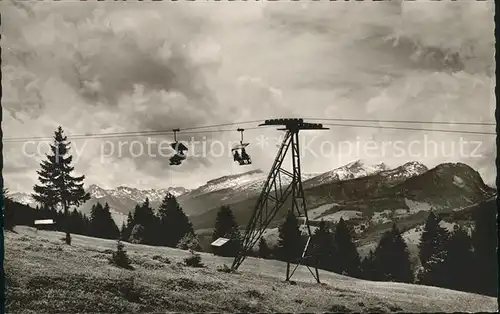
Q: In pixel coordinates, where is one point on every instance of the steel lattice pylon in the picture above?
(274, 196)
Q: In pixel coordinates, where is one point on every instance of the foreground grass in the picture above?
(46, 276)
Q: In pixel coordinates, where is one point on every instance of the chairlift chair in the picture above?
(179, 149)
(239, 153)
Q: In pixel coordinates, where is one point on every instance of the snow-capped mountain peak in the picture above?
(96, 191)
(363, 168)
(355, 169)
(22, 198)
(134, 193)
(408, 170)
(234, 180)
(248, 182)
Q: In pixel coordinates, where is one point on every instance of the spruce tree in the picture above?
(456, 272)
(485, 241)
(123, 230)
(392, 258)
(112, 229)
(144, 216)
(96, 224)
(137, 234)
(76, 222)
(102, 224)
(226, 227)
(120, 257)
(173, 222)
(290, 242)
(129, 226)
(137, 214)
(369, 269)
(264, 251)
(86, 224)
(432, 240)
(58, 187)
(348, 261)
(323, 247)
(190, 242)
(433, 273)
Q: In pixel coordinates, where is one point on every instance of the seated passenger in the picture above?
(175, 160)
(181, 155)
(236, 156)
(245, 156)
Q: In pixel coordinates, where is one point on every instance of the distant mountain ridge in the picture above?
(405, 188)
(372, 187)
(352, 170)
(227, 190)
(135, 194)
(121, 192)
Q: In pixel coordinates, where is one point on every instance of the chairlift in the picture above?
(179, 149)
(239, 152)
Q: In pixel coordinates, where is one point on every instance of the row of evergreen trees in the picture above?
(329, 250)
(168, 226)
(454, 260)
(334, 253)
(390, 261)
(457, 260)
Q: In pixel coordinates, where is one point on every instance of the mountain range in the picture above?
(372, 190)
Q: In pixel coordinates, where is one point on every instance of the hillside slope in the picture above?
(43, 275)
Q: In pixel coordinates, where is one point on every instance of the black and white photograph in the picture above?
(248, 156)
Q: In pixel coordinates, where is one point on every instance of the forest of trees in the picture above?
(168, 226)
(455, 260)
(331, 251)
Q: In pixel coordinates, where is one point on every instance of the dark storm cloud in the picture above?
(116, 67)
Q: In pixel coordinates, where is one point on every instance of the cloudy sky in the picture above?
(120, 67)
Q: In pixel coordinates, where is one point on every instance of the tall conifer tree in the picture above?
(290, 242)
(102, 224)
(485, 242)
(264, 250)
(144, 216)
(456, 270)
(226, 227)
(58, 187)
(433, 239)
(392, 258)
(323, 247)
(348, 261)
(173, 222)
